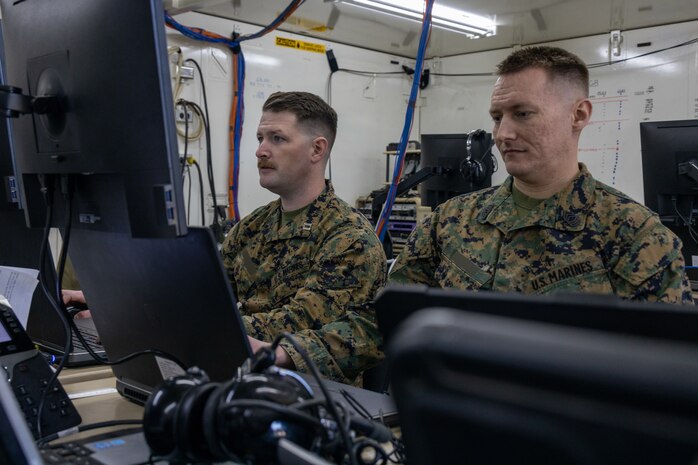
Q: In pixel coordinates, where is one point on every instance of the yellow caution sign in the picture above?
(300, 45)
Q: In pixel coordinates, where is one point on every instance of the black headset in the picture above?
(190, 419)
(471, 168)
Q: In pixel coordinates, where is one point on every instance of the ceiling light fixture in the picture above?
(443, 17)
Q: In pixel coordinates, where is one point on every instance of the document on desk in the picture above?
(18, 285)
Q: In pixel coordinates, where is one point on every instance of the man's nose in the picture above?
(261, 151)
(505, 130)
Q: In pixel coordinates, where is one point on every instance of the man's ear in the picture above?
(320, 147)
(582, 114)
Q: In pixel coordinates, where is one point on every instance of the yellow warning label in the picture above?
(282, 42)
(300, 45)
(311, 47)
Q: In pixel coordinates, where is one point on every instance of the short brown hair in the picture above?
(557, 62)
(310, 110)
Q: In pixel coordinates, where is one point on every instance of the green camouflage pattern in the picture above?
(314, 277)
(587, 238)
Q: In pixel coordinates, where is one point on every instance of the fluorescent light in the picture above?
(443, 17)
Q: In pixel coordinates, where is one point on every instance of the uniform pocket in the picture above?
(460, 272)
(288, 280)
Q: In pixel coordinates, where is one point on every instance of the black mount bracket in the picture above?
(690, 169)
(14, 103)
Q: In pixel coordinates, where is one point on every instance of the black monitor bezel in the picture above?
(119, 142)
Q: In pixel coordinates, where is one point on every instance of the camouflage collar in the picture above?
(302, 225)
(566, 210)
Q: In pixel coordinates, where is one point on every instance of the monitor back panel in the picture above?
(602, 312)
(497, 390)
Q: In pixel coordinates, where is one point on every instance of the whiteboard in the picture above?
(659, 87)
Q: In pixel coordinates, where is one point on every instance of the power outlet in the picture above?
(183, 114)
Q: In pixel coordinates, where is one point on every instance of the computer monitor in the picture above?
(450, 153)
(9, 188)
(670, 166)
(599, 312)
(670, 179)
(101, 71)
(475, 388)
(20, 245)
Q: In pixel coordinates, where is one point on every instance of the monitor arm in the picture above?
(690, 169)
(14, 103)
(404, 186)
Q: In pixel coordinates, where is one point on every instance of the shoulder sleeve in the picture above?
(651, 267)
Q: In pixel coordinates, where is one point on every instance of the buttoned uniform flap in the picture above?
(648, 255)
(289, 278)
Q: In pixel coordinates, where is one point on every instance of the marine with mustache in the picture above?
(307, 263)
(550, 227)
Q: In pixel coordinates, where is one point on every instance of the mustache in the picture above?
(264, 164)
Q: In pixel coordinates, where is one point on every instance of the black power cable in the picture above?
(209, 158)
(201, 189)
(103, 424)
(54, 295)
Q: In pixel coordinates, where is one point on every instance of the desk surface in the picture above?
(98, 400)
(93, 392)
(77, 375)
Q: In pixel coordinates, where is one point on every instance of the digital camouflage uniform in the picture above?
(587, 238)
(315, 277)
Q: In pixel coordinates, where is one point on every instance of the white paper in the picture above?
(17, 285)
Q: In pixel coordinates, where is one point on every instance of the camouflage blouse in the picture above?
(587, 238)
(315, 276)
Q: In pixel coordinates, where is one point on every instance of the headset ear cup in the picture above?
(188, 433)
(209, 421)
(475, 172)
(161, 410)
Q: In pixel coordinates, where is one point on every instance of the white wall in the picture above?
(662, 86)
(371, 110)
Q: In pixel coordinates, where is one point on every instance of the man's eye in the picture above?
(524, 114)
(496, 119)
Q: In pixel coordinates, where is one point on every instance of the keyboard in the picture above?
(127, 446)
(69, 453)
(91, 338)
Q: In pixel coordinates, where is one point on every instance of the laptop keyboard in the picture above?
(91, 339)
(68, 453)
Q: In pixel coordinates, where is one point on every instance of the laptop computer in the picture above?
(20, 247)
(172, 294)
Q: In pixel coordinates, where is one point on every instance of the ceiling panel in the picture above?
(520, 22)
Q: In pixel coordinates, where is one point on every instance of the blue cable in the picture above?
(234, 45)
(382, 223)
(239, 120)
